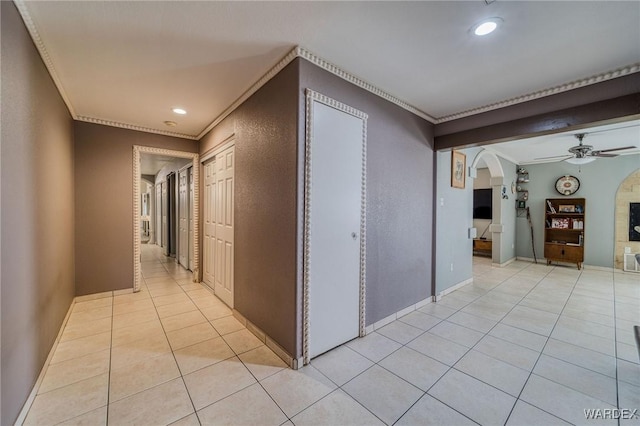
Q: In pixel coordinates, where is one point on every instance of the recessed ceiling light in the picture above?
(486, 27)
(171, 123)
(179, 111)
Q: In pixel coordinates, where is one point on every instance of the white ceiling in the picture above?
(130, 62)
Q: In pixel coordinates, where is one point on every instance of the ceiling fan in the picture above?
(583, 154)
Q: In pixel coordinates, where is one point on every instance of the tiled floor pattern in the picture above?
(523, 345)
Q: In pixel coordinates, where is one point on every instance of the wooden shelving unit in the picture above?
(522, 192)
(482, 247)
(564, 230)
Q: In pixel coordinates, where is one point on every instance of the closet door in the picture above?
(335, 194)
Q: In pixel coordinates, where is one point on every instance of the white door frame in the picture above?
(137, 150)
(186, 206)
(191, 207)
(311, 97)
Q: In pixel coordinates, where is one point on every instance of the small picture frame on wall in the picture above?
(458, 167)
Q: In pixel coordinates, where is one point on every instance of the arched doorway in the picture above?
(496, 172)
(628, 194)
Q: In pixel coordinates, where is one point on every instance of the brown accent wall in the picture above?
(611, 101)
(400, 187)
(265, 128)
(104, 203)
(37, 213)
(614, 88)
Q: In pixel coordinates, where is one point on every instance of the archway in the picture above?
(628, 192)
(497, 182)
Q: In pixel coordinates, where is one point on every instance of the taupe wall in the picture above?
(399, 194)
(104, 203)
(37, 213)
(265, 128)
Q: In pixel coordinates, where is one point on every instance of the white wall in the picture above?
(508, 213)
(454, 217)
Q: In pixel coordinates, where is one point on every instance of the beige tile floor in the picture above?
(525, 344)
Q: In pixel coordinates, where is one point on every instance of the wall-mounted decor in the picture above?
(567, 185)
(634, 221)
(458, 167)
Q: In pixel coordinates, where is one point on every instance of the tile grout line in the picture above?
(615, 345)
(171, 348)
(540, 355)
(421, 334)
(486, 334)
(110, 359)
(236, 355)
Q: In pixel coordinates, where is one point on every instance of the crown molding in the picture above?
(322, 63)
(134, 127)
(328, 66)
(300, 52)
(252, 89)
(44, 54)
(598, 78)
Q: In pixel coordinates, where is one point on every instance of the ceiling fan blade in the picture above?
(613, 149)
(599, 154)
(559, 157)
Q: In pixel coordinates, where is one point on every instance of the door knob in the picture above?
(354, 235)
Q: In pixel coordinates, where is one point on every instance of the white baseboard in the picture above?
(502, 265)
(598, 268)
(453, 288)
(386, 320)
(36, 387)
(268, 341)
(530, 259)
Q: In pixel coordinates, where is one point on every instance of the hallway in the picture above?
(523, 344)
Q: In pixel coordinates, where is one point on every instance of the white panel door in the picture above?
(223, 275)
(190, 218)
(158, 216)
(209, 237)
(165, 223)
(183, 218)
(334, 265)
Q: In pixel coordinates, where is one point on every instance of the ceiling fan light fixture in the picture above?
(486, 26)
(580, 160)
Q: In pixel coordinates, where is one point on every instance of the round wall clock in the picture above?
(567, 185)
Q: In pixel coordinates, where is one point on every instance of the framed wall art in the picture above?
(458, 167)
